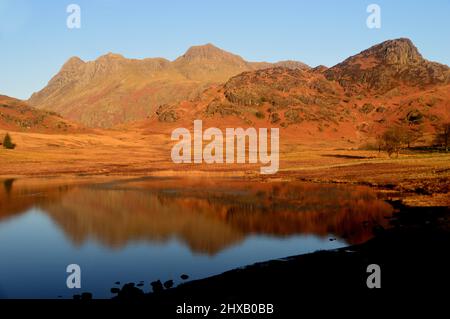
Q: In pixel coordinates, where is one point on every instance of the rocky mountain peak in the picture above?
(398, 51)
(73, 63)
(208, 52)
(111, 56)
(385, 66)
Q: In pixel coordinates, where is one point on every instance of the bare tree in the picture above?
(411, 134)
(379, 140)
(393, 139)
(443, 136)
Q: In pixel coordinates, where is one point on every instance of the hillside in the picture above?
(16, 115)
(387, 66)
(113, 89)
(388, 84)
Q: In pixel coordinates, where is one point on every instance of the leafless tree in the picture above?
(392, 140)
(443, 136)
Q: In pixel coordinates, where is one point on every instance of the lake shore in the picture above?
(414, 247)
(419, 178)
(411, 254)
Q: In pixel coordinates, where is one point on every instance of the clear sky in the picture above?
(35, 41)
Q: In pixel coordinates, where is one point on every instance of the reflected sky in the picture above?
(149, 229)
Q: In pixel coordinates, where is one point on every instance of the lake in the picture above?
(145, 229)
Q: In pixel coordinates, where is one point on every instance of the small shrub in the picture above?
(367, 108)
(7, 142)
(260, 115)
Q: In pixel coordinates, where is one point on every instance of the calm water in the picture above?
(149, 229)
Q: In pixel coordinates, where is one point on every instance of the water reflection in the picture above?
(206, 215)
(159, 228)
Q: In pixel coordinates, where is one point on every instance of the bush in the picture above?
(7, 142)
(260, 115)
(367, 108)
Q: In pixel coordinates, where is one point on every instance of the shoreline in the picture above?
(413, 228)
(411, 255)
(416, 192)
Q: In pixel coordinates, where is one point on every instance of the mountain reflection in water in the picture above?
(205, 214)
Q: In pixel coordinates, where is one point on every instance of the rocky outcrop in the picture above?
(387, 65)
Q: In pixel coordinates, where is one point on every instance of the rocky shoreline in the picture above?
(412, 255)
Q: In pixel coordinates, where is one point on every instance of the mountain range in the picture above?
(385, 85)
(113, 89)
(390, 83)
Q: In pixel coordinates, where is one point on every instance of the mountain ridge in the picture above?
(113, 89)
(388, 83)
(380, 87)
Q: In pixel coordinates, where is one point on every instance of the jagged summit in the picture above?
(400, 51)
(73, 62)
(387, 65)
(208, 52)
(290, 64)
(111, 55)
(210, 57)
(397, 51)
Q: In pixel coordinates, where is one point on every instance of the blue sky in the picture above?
(35, 41)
